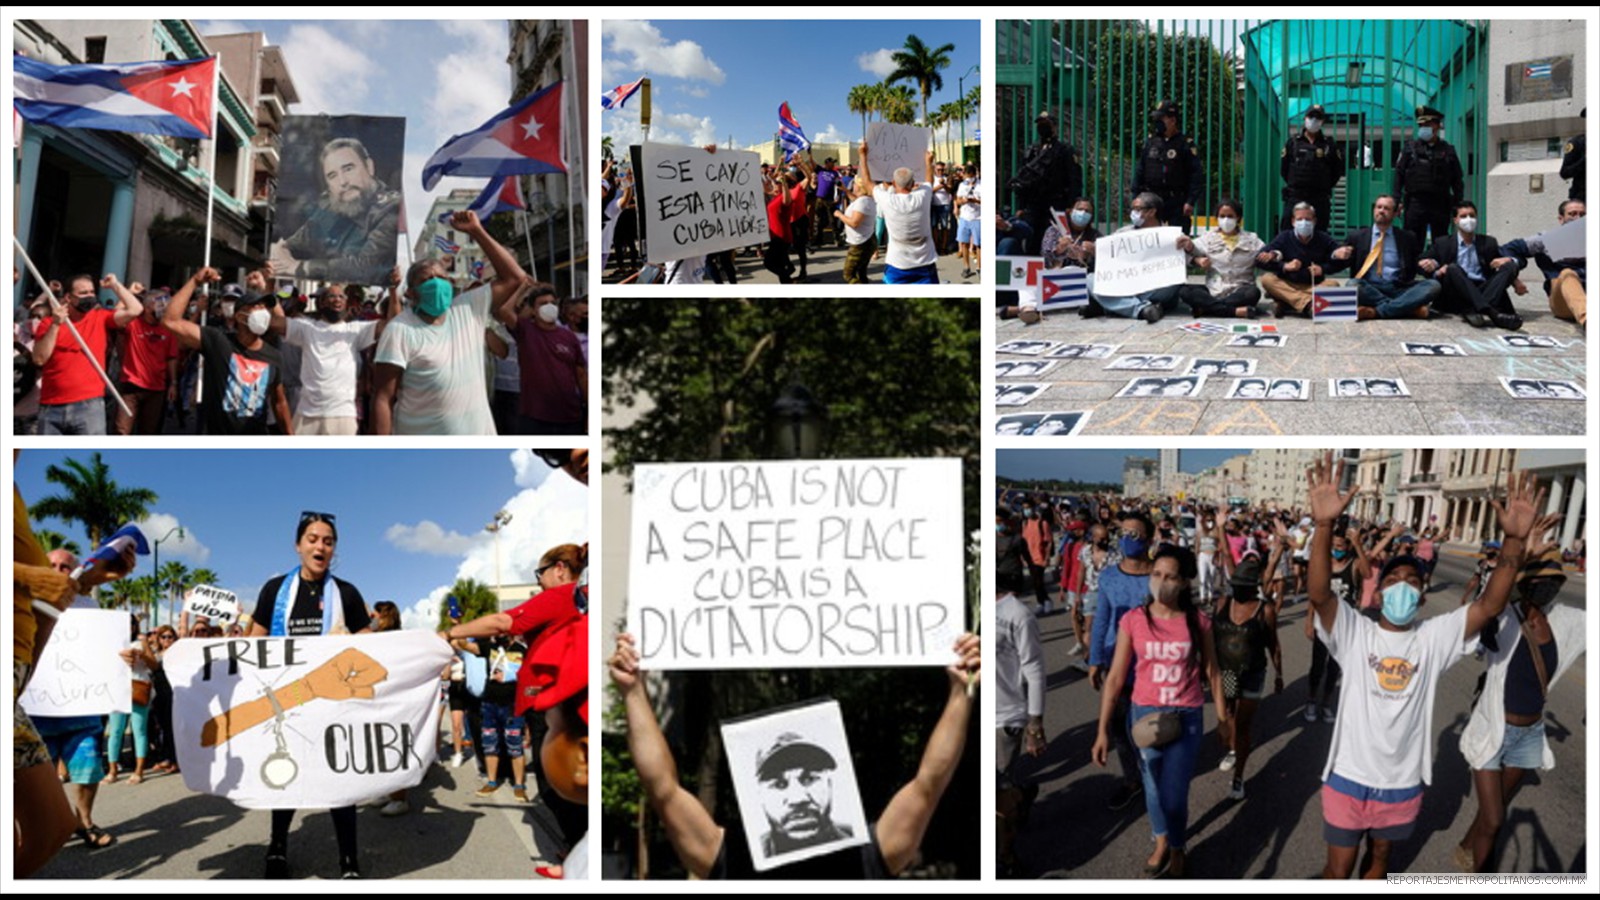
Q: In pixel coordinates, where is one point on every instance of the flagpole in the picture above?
(56, 309)
(211, 154)
(526, 216)
(574, 166)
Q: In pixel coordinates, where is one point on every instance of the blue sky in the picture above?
(410, 522)
(1093, 465)
(715, 79)
(444, 77)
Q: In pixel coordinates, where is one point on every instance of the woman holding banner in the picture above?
(308, 601)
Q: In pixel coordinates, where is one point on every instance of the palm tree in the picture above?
(92, 499)
(898, 104)
(919, 64)
(476, 599)
(201, 576)
(606, 147)
(861, 100)
(55, 540)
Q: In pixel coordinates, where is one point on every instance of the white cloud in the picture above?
(669, 128)
(466, 92)
(222, 26)
(485, 33)
(419, 201)
(531, 470)
(878, 62)
(330, 75)
(428, 537)
(187, 548)
(831, 135)
(639, 46)
(695, 91)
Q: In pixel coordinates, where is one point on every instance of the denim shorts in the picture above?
(969, 231)
(1521, 748)
(80, 750)
(500, 722)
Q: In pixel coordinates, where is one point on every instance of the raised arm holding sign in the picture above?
(898, 146)
(697, 202)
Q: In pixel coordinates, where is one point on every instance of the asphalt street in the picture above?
(1276, 831)
(826, 266)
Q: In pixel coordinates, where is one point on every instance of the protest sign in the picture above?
(795, 783)
(216, 604)
(891, 147)
(796, 564)
(1565, 241)
(1138, 260)
(694, 202)
(81, 672)
(338, 199)
(307, 722)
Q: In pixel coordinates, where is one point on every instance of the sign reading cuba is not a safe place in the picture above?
(796, 564)
(306, 722)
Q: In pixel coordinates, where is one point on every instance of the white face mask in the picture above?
(1228, 223)
(257, 321)
(1304, 227)
(548, 313)
(1313, 126)
(227, 309)
(1467, 224)
(1137, 216)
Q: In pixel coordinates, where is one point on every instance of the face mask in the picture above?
(1400, 602)
(1137, 216)
(1228, 224)
(1000, 527)
(1081, 217)
(1425, 133)
(1166, 593)
(1540, 592)
(1313, 125)
(1340, 554)
(548, 313)
(1132, 546)
(1467, 224)
(1304, 227)
(434, 296)
(227, 309)
(86, 303)
(257, 321)
(329, 314)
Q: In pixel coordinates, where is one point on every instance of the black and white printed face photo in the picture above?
(1530, 340)
(1520, 387)
(1025, 348)
(1248, 389)
(1186, 386)
(1144, 362)
(1350, 387)
(1415, 348)
(1144, 387)
(1083, 351)
(1563, 390)
(1386, 387)
(1058, 424)
(1016, 394)
(1256, 340)
(1286, 389)
(1023, 369)
(1015, 425)
(1206, 367)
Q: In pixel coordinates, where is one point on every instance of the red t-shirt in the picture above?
(549, 360)
(150, 348)
(535, 619)
(799, 208)
(69, 377)
(778, 219)
(1163, 673)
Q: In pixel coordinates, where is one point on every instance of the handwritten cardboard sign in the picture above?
(306, 722)
(796, 564)
(891, 147)
(81, 672)
(695, 202)
(216, 604)
(1138, 260)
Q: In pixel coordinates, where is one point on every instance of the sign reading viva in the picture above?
(309, 722)
(695, 202)
(796, 564)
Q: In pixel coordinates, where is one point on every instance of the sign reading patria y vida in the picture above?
(695, 202)
(796, 564)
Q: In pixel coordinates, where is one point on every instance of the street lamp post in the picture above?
(962, 99)
(501, 520)
(156, 563)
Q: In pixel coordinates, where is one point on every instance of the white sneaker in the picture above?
(1077, 648)
(1327, 714)
(376, 802)
(1082, 665)
(1047, 608)
(456, 759)
(1228, 761)
(1310, 713)
(396, 808)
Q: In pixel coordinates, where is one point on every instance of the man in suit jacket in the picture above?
(1384, 259)
(1476, 276)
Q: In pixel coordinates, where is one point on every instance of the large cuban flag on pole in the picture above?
(523, 140)
(172, 98)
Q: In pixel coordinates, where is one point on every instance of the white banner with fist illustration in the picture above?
(306, 723)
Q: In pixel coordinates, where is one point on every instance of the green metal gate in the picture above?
(1243, 87)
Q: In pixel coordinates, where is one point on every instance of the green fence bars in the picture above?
(1243, 87)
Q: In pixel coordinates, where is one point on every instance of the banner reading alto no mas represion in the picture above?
(306, 723)
(796, 564)
(695, 202)
(1141, 259)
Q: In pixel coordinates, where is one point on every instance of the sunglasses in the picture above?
(539, 572)
(307, 517)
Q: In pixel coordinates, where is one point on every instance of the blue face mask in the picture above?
(1400, 602)
(434, 297)
(1425, 133)
(1132, 546)
(1081, 217)
(1340, 554)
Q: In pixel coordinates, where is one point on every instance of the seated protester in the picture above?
(1381, 758)
(711, 851)
(1477, 275)
(907, 209)
(1385, 260)
(1150, 305)
(330, 348)
(1013, 234)
(1296, 261)
(1075, 245)
(554, 393)
(243, 374)
(1228, 255)
(858, 221)
(71, 392)
(1565, 280)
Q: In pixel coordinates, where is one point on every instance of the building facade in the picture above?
(465, 263)
(551, 238)
(1421, 493)
(1141, 477)
(1473, 478)
(1378, 478)
(260, 72)
(1564, 474)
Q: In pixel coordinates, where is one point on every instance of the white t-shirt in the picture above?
(329, 362)
(442, 390)
(1019, 670)
(971, 190)
(868, 208)
(689, 270)
(1383, 737)
(941, 190)
(908, 220)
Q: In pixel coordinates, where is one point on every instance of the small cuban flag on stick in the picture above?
(790, 134)
(112, 548)
(1333, 304)
(1065, 288)
(445, 246)
(618, 96)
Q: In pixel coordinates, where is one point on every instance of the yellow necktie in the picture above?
(1373, 255)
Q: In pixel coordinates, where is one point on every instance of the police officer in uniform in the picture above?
(1169, 165)
(1572, 164)
(1427, 179)
(1311, 165)
(1051, 176)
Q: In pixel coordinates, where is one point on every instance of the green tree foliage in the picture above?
(89, 497)
(55, 540)
(920, 64)
(476, 600)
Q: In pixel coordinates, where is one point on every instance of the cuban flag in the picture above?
(1333, 304)
(618, 96)
(172, 98)
(1066, 288)
(1537, 70)
(502, 195)
(111, 548)
(445, 246)
(790, 134)
(523, 140)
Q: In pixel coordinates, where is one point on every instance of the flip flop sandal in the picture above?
(96, 838)
(135, 779)
(1160, 868)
